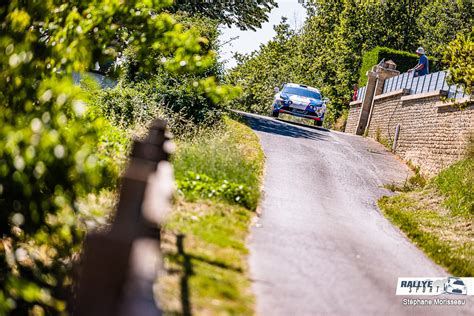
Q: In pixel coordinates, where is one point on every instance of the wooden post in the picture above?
(118, 268)
(395, 138)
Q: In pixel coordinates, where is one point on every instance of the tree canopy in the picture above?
(459, 56)
(244, 14)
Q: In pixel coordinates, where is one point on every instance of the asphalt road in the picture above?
(321, 246)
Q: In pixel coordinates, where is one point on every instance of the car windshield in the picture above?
(458, 282)
(302, 92)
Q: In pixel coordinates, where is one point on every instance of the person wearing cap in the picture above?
(423, 66)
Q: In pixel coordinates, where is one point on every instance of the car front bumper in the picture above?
(304, 114)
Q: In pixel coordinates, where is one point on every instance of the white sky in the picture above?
(249, 41)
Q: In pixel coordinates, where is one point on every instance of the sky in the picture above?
(249, 41)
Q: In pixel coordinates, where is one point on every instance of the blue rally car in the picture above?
(300, 100)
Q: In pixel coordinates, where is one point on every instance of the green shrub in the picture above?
(459, 58)
(134, 107)
(125, 106)
(49, 158)
(404, 61)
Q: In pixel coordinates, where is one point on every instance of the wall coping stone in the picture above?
(392, 94)
(424, 95)
(354, 103)
(450, 103)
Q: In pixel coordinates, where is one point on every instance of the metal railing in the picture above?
(428, 83)
(432, 82)
(361, 93)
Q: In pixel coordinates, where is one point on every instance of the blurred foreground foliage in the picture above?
(60, 144)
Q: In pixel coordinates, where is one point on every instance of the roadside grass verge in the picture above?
(416, 182)
(218, 173)
(439, 217)
(457, 184)
(225, 162)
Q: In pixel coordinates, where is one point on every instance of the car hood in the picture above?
(298, 99)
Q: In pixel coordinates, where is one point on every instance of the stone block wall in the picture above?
(353, 117)
(433, 134)
(385, 115)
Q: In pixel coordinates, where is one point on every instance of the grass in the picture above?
(438, 218)
(457, 184)
(384, 141)
(341, 121)
(204, 241)
(415, 182)
(230, 153)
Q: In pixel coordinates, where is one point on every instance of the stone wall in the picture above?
(353, 117)
(385, 114)
(433, 134)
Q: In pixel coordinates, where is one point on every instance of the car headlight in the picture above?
(283, 102)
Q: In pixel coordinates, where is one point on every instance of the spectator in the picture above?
(355, 95)
(423, 66)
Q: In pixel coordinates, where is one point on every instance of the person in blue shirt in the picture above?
(423, 66)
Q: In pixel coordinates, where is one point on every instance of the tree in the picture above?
(259, 73)
(459, 56)
(244, 14)
(441, 20)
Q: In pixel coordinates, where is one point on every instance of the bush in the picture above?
(341, 121)
(404, 61)
(125, 107)
(185, 109)
(459, 58)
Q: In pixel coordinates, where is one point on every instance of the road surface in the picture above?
(321, 246)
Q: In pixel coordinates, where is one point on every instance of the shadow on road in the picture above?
(280, 128)
(317, 128)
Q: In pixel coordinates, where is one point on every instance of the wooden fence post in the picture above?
(119, 268)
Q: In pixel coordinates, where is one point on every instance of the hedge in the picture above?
(404, 61)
